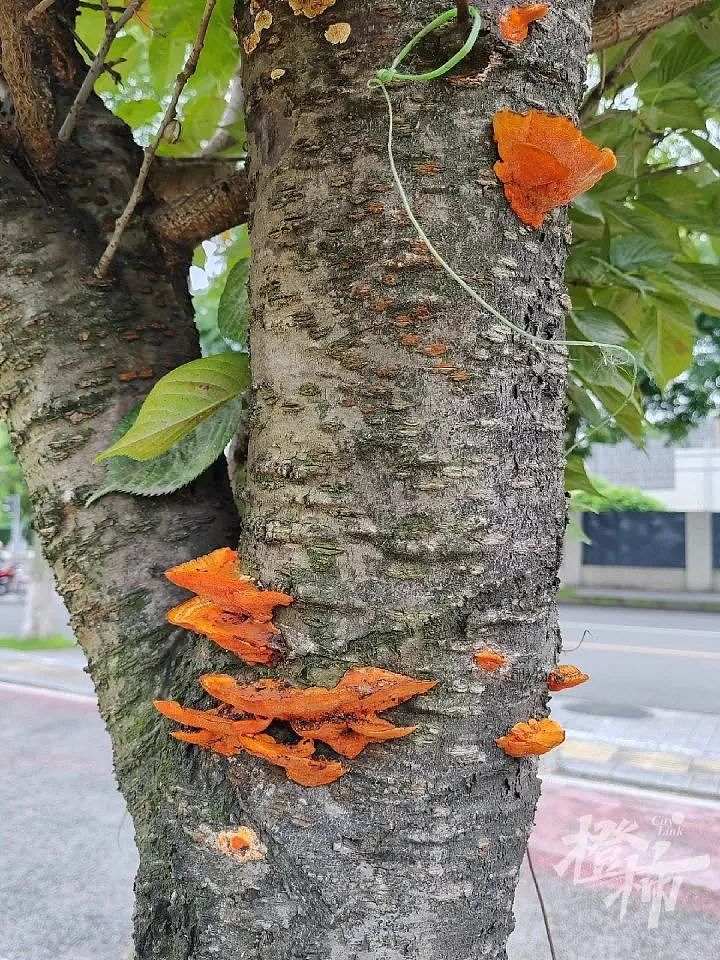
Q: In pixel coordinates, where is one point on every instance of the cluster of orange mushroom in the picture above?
(345, 717)
(532, 737)
(231, 610)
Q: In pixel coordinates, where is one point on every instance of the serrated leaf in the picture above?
(185, 461)
(667, 334)
(180, 401)
(234, 307)
(633, 251)
(576, 477)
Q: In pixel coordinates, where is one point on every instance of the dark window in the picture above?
(716, 540)
(632, 538)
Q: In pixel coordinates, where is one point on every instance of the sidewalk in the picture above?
(646, 747)
(653, 599)
(62, 670)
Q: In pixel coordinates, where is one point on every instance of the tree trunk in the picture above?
(416, 517)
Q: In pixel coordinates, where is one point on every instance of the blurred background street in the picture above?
(627, 838)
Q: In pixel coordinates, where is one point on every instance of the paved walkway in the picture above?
(664, 749)
(655, 599)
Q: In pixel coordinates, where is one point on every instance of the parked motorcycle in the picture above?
(7, 578)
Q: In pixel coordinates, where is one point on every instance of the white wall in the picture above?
(697, 481)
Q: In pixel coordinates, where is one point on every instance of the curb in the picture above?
(608, 763)
(570, 598)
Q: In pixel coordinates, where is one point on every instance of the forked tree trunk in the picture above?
(415, 517)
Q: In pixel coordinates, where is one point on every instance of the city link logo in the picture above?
(612, 853)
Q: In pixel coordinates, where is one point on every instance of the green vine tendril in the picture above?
(388, 75)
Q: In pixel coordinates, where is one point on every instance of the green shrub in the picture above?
(610, 496)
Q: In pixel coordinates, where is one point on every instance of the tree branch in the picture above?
(608, 81)
(95, 69)
(617, 20)
(190, 219)
(463, 11)
(40, 8)
(187, 71)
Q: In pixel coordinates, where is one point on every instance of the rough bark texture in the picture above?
(414, 517)
(73, 359)
(617, 20)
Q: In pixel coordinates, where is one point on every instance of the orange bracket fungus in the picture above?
(345, 717)
(545, 162)
(489, 660)
(515, 24)
(566, 675)
(532, 738)
(231, 610)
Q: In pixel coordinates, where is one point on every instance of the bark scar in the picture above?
(272, 132)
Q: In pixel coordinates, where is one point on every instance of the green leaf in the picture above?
(667, 335)
(629, 252)
(576, 477)
(136, 113)
(179, 466)
(583, 403)
(600, 325)
(180, 401)
(698, 282)
(234, 307)
(683, 114)
(574, 529)
(683, 59)
(707, 84)
(638, 219)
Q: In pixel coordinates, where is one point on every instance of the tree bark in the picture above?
(617, 20)
(415, 517)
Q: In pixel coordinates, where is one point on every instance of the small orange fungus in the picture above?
(545, 162)
(230, 609)
(531, 738)
(345, 717)
(489, 660)
(242, 844)
(310, 8)
(566, 675)
(515, 24)
(215, 577)
(253, 642)
(338, 33)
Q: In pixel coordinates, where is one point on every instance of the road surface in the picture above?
(67, 856)
(650, 658)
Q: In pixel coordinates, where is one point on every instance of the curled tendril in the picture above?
(391, 74)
